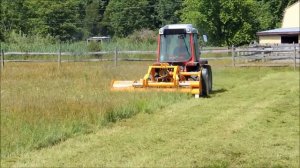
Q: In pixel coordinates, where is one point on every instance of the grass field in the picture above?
(251, 119)
(42, 105)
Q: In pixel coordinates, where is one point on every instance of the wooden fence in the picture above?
(240, 56)
(288, 53)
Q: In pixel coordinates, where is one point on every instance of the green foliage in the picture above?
(143, 36)
(276, 8)
(60, 19)
(22, 42)
(92, 19)
(94, 46)
(125, 16)
(264, 15)
(238, 25)
(94, 13)
(225, 22)
(14, 15)
(168, 11)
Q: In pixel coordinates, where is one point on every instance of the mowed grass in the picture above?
(251, 120)
(42, 105)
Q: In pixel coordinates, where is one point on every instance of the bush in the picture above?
(144, 35)
(94, 46)
(22, 42)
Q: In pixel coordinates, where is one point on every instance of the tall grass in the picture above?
(250, 120)
(18, 42)
(43, 105)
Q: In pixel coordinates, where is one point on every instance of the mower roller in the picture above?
(178, 67)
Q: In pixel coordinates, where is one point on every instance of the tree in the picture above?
(92, 18)
(122, 17)
(274, 9)
(58, 18)
(225, 22)
(204, 15)
(102, 9)
(13, 17)
(168, 11)
(239, 24)
(94, 12)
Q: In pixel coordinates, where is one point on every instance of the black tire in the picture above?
(204, 82)
(210, 80)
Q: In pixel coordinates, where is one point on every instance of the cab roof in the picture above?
(188, 28)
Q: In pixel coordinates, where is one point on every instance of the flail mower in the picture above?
(178, 67)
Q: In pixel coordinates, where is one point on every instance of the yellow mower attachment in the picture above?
(164, 77)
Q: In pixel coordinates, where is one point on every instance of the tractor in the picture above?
(178, 66)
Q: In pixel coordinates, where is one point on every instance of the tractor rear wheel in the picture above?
(206, 80)
(210, 80)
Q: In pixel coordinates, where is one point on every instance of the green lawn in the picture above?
(251, 120)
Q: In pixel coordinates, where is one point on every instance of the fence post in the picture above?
(295, 54)
(116, 57)
(2, 59)
(59, 55)
(263, 55)
(233, 55)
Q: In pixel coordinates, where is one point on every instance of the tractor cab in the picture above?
(178, 45)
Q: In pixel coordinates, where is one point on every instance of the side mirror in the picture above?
(205, 38)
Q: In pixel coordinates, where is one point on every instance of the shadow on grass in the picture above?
(219, 91)
(215, 92)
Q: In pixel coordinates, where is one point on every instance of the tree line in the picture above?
(225, 22)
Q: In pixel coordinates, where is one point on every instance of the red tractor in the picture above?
(178, 66)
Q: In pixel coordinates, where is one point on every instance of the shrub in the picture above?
(22, 42)
(94, 46)
(144, 35)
